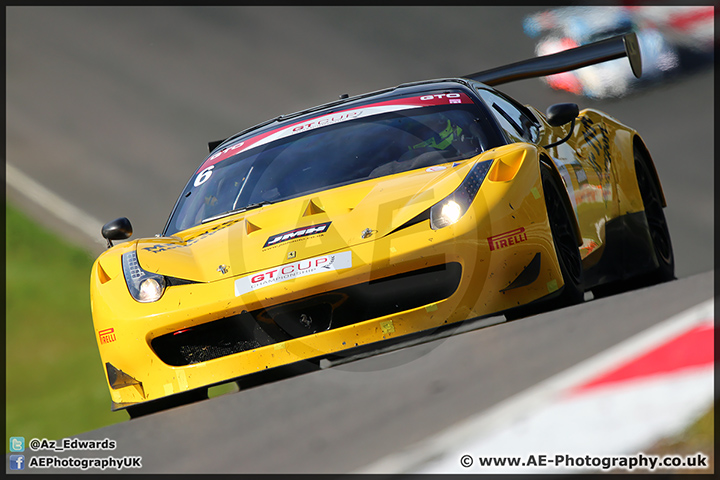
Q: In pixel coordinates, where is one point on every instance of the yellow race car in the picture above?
(374, 219)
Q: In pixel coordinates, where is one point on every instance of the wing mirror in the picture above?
(558, 115)
(561, 113)
(118, 229)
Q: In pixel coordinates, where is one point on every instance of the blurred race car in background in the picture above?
(373, 219)
(672, 39)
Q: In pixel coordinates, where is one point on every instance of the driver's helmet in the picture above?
(445, 134)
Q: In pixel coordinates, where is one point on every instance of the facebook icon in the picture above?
(17, 462)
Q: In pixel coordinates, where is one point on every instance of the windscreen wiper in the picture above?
(252, 206)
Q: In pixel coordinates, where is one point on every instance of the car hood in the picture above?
(300, 228)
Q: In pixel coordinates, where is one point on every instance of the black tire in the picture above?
(566, 249)
(659, 232)
(566, 245)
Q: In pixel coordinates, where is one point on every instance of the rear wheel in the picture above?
(659, 232)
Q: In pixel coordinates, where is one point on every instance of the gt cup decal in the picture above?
(297, 233)
(301, 268)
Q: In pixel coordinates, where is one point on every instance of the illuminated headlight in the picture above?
(450, 209)
(450, 212)
(144, 286)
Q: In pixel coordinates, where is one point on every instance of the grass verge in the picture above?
(55, 385)
(698, 438)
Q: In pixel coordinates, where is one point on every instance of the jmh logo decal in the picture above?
(297, 233)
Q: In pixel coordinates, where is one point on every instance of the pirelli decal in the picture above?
(297, 233)
(507, 239)
(107, 335)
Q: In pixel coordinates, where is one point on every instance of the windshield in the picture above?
(329, 151)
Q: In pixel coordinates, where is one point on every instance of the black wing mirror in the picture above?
(558, 115)
(118, 229)
(561, 113)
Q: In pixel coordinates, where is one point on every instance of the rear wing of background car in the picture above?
(590, 54)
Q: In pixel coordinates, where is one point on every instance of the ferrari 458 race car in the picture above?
(373, 219)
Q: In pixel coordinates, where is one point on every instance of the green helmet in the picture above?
(447, 136)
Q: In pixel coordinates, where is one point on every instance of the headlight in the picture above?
(144, 286)
(451, 208)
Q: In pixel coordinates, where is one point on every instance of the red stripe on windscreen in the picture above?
(407, 102)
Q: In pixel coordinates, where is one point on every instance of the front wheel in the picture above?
(566, 249)
(565, 241)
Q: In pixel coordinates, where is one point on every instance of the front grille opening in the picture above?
(216, 339)
(304, 317)
(337, 308)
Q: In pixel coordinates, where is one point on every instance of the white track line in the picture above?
(500, 417)
(54, 204)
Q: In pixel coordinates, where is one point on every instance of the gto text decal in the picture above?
(508, 238)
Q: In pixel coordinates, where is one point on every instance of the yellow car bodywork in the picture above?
(333, 271)
(504, 229)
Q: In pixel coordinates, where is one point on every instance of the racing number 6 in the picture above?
(204, 176)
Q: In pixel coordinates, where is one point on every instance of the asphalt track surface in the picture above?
(345, 418)
(112, 108)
